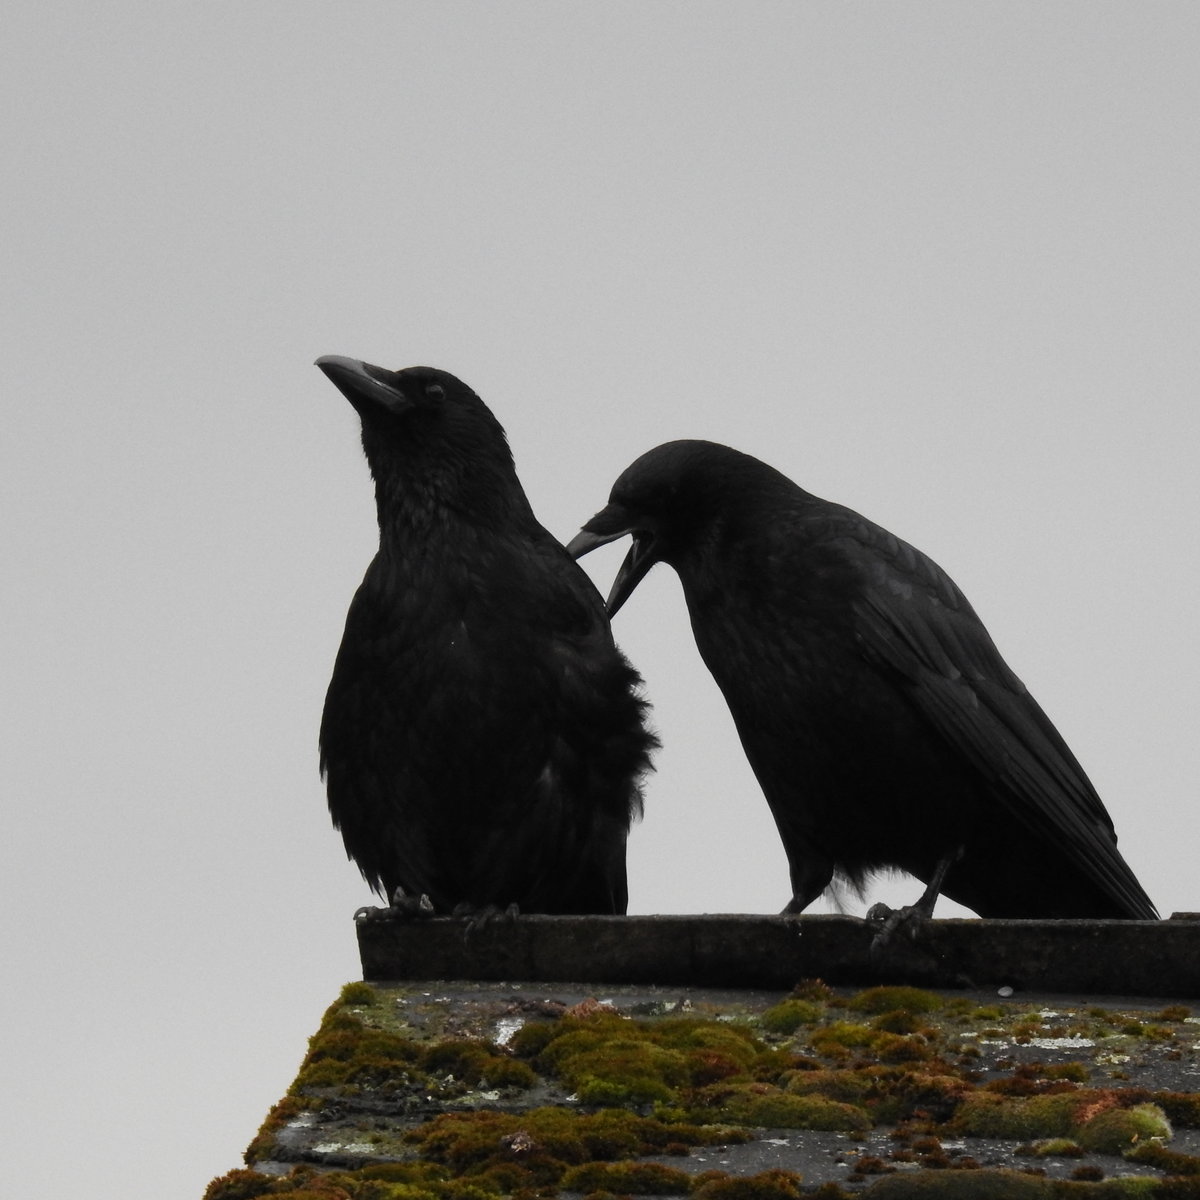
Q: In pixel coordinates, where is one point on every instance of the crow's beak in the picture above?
(606, 526)
(362, 384)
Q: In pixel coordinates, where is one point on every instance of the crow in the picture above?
(483, 739)
(880, 720)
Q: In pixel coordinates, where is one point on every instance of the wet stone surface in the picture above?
(505, 1088)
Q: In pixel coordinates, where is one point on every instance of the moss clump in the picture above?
(1095, 1119)
(1175, 1012)
(1034, 1079)
(380, 1181)
(508, 1145)
(476, 1063)
(814, 989)
(1155, 1154)
(898, 1021)
(837, 1039)
(787, 1016)
(986, 1114)
(239, 1185)
(1056, 1148)
(766, 1106)
(961, 1185)
(358, 995)
(768, 1185)
(606, 1060)
(624, 1071)
(288, 1109)
(1115, 1130)
(886, 1093)
(1182, 1108)
(644, 1179)
(347, 1054)
(895, 999)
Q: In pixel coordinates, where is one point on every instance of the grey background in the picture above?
(937, 261)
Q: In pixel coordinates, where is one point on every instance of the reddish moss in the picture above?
(954, 1185)
(1183, 1108)
(1175, 1012)
(238, 1185)
(288, 1109)
(768, 1185)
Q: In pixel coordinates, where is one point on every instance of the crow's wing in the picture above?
(911, 620)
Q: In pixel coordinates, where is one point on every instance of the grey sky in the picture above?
(937, 261)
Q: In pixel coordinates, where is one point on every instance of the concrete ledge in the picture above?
(1128, 958)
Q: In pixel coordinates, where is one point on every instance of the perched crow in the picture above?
(879, 718)
(483, 739)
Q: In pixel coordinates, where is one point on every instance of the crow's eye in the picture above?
(434, 391)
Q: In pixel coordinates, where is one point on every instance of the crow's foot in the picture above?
(402, 908)
(480, 918)
(912, 917)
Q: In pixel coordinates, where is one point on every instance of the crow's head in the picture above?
(671, 500)
(428, 438)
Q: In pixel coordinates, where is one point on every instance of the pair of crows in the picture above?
(483, 739)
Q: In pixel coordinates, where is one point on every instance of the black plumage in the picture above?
(483, 739)
(883, 726)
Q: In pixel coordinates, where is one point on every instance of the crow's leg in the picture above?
(911, 916)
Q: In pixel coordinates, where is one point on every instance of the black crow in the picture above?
(883, 726)
(483, 739)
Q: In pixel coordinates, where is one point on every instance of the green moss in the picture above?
(700, 1079)
(346, 1051)
(1057, 1148)
(645, 1179)
(624, 1072)
(1095, 1119)
(476, 1063)
(606, 1060)
(766, 1106)
(887, 1093)
(1118, 1129)
(835, 1039)
(768, 1185)
(893, 999)
(894, 1048)
(533, 1037)
(465, 1060)
(1155, 1154)
(358, 995)
(509, 1073)
(787, 1016)
(898, 1021)
(477, 1142)
(986, 1114)
(1077, 1072)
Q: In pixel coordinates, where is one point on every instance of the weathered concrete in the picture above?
(1133, 1044)
(1128, 958)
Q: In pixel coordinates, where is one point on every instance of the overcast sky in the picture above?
(937, 261)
